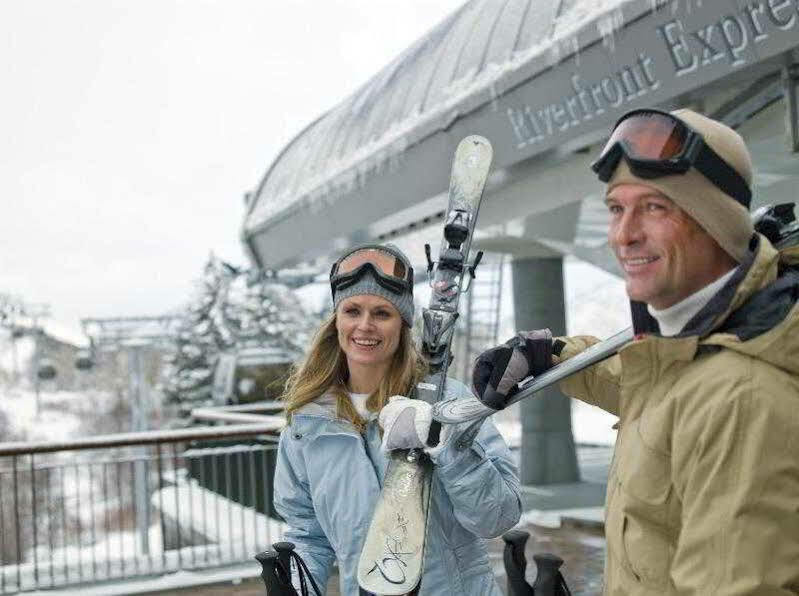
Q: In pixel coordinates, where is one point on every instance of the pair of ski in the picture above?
(392, 557)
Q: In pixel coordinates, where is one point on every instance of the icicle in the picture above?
(575, 49)
(492, 90)
(554, 52)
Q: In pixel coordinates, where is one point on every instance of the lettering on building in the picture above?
(585, 100)
(730, 40)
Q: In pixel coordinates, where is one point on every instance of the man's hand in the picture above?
(498, 371)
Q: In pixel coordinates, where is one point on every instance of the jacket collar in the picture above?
(320, 417)
(758, 269)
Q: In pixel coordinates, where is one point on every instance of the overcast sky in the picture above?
(131, 131)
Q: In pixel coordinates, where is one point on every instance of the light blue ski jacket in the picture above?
(328, 478)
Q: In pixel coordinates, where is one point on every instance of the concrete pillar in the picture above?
(548, 455)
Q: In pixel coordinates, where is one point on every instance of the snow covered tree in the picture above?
(232, 311)
(260, 311)
(189, 370)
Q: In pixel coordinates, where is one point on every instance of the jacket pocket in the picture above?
(644, 500)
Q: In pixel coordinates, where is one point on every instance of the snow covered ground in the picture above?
(15, 355)
(58, 416)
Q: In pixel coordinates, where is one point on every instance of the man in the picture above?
(703, 492)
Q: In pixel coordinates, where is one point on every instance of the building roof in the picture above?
(452, 70)
(544, 81)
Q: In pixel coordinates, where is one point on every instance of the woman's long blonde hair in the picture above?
(324, 371)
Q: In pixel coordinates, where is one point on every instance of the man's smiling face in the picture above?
(664, 254)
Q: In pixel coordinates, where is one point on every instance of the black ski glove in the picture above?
(498, 370)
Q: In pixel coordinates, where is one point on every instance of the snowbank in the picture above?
(54, 423)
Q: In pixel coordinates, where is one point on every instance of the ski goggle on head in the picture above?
(387, 268)
(657, 144)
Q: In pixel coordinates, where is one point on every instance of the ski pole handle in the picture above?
(277, 578)
(276, 571)
(284, 550)
(548, 581)
(516, 563)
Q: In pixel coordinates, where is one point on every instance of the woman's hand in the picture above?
(406, 423)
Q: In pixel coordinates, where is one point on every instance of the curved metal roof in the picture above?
(424, 89)
(516, 71)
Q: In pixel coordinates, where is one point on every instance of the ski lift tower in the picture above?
(132, 334)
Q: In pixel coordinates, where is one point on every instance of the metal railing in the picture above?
(137, 504)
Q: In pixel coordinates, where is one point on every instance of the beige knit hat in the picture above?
(721, 216)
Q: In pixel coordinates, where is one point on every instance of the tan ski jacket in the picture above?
(703, 492)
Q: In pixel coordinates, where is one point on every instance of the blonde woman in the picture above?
(330, 461)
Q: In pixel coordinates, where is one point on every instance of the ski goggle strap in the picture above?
(389, 269)
(657, 144)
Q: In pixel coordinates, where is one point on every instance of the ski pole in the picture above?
(548, 580)
(276, 571)
(274, 575)
(516, 563)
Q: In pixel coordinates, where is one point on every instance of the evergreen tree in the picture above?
(190, 366)
(232, 310)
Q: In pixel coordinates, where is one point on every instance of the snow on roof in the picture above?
(65, 333)
(461, 63)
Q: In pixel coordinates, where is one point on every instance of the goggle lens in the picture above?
(657, 144)
(650, 135)
(383, 261)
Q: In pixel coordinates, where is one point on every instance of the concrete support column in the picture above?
(548, 455)
(790, 81)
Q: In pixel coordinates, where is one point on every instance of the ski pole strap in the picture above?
(304, 572)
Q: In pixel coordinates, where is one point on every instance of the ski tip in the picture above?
(475, 152)
(473, 140)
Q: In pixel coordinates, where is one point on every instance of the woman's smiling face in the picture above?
(369, 330)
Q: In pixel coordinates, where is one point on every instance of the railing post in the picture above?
(77, 520)
(177, 504)
(161, 507)
(2, 537)
(64, 520)
(140, 485)
(92, 531)
(16, 523)
(34, 523)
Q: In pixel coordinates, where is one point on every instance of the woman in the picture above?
(330, 463)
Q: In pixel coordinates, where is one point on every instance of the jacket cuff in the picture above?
(457, 448)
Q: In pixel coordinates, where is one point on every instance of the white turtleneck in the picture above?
(359, 401)
(673, 319)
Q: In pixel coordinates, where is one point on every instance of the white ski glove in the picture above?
(406, 425)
